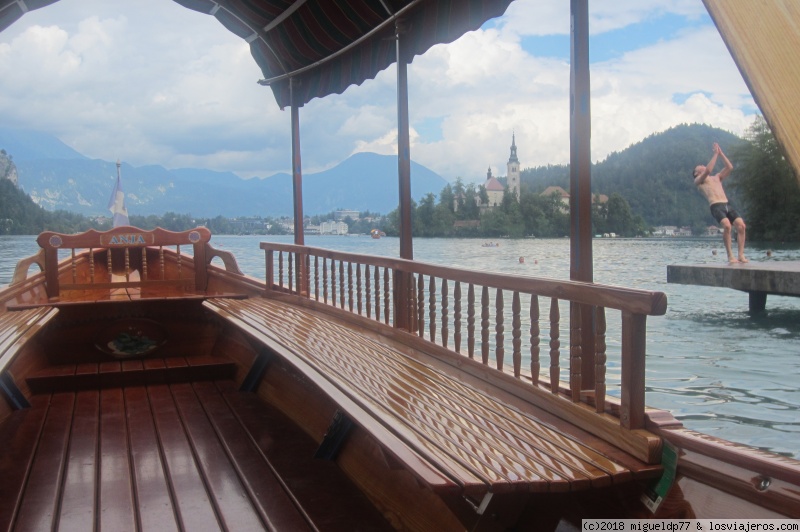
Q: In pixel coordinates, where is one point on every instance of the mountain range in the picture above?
(59, 178)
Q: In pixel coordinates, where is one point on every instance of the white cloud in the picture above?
(151, 82)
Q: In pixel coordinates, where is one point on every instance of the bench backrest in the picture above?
(124, 251)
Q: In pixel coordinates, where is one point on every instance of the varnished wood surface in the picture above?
(16, 328)
(185, 456)
(112, 373)
(461, 430)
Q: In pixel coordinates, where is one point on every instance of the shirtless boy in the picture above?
(711, 187)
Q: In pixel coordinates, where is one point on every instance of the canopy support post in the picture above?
(580, 177)
(297, 191)
(403, 281)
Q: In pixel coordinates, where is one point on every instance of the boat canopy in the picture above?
(326, 45)
(763, 38)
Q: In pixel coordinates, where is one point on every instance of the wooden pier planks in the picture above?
(758, 279)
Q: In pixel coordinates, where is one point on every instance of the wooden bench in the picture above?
(123, 264)
(16, 329)
(440, 423)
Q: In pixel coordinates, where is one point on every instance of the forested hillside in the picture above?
(654, 176)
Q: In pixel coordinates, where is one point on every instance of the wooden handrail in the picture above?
(421, 304)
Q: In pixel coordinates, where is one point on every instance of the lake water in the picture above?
(715, 367)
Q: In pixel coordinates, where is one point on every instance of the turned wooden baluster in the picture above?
(368, 290)
(516, 335)
(144, 264)
(377, 281)
(161, 262)
(280, 269)
(432, 308)
(554, 345)
(74, 265)
(445, 331)
(536, 366)
(180, 262)
(128, 264)
(471, 320)
(316, 277)
(600, 359)
(341, 284)
(499, 348)
(290, 268)
(350, 286)
(325, 280)
(457, 317)
(421, 305)
(110, 264)
(485, 325)
(333, 282)
(386, 300)
(91, 265)
(411, 308)
(358, 288)
(575, 352)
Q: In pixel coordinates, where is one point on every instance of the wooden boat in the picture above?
(148, 387)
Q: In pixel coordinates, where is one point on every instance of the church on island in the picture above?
(494, 188)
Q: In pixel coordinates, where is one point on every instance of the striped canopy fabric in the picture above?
(338, 42)
(327, 45)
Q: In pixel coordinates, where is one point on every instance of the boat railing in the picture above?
(488, 316)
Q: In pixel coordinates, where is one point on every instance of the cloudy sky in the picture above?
(151, 82)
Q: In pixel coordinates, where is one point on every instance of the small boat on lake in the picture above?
(149, 388)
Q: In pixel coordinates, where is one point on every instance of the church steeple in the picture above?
(513, 177)
(513, 158)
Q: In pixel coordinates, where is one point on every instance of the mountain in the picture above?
(654, 175)
(58, 177)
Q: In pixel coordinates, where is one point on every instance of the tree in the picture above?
(770, 195)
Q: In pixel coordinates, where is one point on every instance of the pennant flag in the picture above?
(117, 202)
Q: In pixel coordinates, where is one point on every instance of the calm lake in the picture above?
(715, 367)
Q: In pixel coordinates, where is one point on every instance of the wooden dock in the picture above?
(758, 279)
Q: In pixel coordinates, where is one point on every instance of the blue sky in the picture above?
(150, 82)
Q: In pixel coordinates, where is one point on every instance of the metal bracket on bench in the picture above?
(12, 392)
(334, 438)
(257, 370)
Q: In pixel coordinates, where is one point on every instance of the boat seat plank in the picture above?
(457, 428)
(16, 328)
(339, 505)
(138, 372)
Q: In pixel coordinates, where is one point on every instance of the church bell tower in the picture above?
(513, 169)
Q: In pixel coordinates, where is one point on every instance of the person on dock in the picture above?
(710, 185)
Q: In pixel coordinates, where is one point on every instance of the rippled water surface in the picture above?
(715, 367)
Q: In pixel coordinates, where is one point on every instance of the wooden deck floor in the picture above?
(181, 456)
